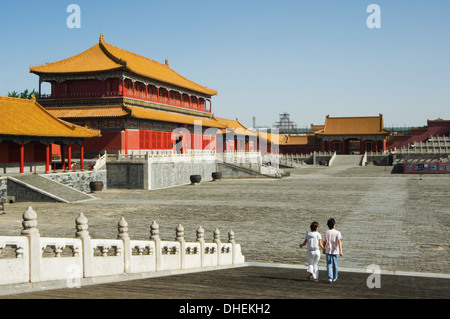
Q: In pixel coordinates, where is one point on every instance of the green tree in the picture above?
(24, 95)
(13, 94)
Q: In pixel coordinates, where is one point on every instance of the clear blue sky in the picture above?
(308, 58)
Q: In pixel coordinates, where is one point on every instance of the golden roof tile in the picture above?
(368, 125)
(234, 126)
(87, 111)
(151, 114)
(130, 111)
(299, 140)
(106, 57)
(20, 117)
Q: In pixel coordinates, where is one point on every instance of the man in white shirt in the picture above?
(332, 240)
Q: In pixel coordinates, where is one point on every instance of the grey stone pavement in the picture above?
(395, 221)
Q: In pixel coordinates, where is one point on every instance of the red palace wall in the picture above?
(238, 145)
(33, 153)
(434, 128)
(440, 128)
(133, 140)
(86, 87)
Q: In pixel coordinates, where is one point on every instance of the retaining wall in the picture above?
(79, 180)
(157, 174)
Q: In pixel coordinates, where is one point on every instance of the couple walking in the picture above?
(331, 246)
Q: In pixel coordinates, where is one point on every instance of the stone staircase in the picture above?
(33, 187)
(347, 161)
(242, 170)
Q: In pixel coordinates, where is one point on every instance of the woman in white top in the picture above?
(314, 241)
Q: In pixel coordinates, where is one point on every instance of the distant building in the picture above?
(438, 127)
(356, 135)
(343, 135)
(350, 135)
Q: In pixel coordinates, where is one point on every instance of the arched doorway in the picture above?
(353, 146)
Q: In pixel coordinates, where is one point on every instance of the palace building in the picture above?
(343, 135)
(356, 135)
(135, 102)
(353, 135)
(28, 135)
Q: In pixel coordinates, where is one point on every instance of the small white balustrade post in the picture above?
(122, 227)
(154, 235)
(201, 240)
(219, 245)
(29, 223)
(87, 250)
(180, 238)
(233, 245)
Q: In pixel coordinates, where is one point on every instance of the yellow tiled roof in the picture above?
(20, 117)
(369, 125)
(299, 139)
(130, 111)
(87, 112)
(145, 113)
(106, 57)
(234, 125)
(271, 138)
(317, 127)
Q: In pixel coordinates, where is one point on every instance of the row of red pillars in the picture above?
(64, 148)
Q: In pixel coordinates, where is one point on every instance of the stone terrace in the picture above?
(396, 221)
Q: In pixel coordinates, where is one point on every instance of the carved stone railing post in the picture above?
(154, 235)
(122, 227)
(217, 241)
(87, 250)
(231, 237)
(232, 241)
(180, 238)
(29, 223)
(201, 240)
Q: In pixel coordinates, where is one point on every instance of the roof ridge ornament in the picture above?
(108, 53)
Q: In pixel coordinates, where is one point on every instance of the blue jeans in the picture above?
(332, 266)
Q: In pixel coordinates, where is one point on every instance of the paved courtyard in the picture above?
(396, 221)
(254, 282)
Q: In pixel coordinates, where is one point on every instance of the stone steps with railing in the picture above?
(433, 145)
(30, 187)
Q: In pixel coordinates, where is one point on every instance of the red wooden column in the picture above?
(22, 158)
(47, 157)
(126, 140)
(322, 145)
(384, 145)
(69, 156)
(63, 157)
(82, 157)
